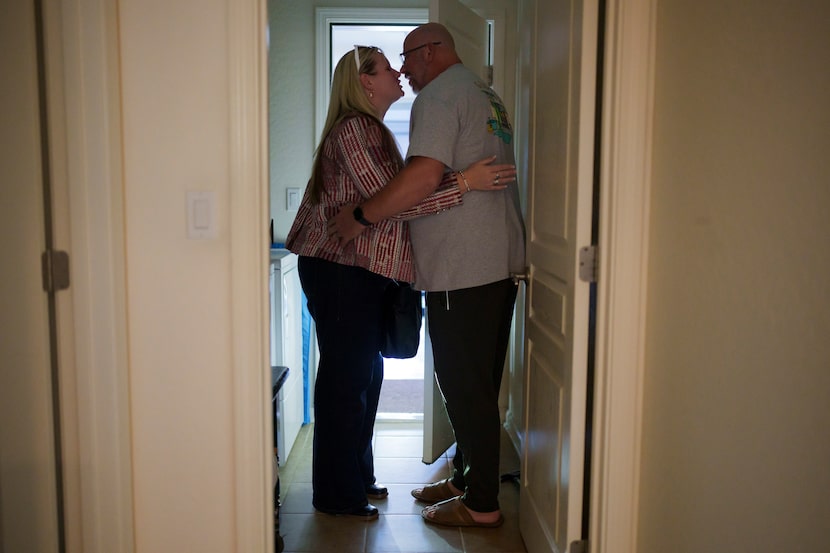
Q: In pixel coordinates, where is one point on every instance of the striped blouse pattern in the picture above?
(355, 167)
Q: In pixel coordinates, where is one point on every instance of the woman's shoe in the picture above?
(364, 512)
(377, 492)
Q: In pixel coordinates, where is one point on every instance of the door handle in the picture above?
(520, 277)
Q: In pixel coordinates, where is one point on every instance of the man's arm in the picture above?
(416, 181)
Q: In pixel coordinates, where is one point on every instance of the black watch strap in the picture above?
(358, 216)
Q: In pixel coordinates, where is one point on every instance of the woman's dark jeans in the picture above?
(345, 303)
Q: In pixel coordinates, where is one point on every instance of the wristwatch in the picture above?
(358, 216)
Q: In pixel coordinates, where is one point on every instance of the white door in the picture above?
(471, 35)
(558, 65)
(469, 31)
(28, 498)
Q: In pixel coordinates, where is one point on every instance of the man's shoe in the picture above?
(434, 493)
(452, 512)
(377, 492)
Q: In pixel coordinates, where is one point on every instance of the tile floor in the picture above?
(400, 527)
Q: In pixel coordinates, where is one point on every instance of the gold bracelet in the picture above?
(466, 184)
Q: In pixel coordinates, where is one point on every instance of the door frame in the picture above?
(626, 139)
(95, 189)
(92, 320)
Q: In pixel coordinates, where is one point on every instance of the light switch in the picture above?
(201, 215)
(292, 199)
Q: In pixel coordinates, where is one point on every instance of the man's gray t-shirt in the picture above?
(457, 119)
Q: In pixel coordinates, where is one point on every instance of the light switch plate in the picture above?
(292, 199)
(201, 215)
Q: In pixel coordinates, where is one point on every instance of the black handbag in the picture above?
(402, 314)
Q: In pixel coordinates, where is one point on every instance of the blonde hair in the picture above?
(347, 100)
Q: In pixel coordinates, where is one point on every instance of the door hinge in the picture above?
(55, 269)
(579, 546)
(588, 263)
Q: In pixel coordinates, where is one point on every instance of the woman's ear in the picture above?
(368, 85)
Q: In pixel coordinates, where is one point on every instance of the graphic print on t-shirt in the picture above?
(498, 123)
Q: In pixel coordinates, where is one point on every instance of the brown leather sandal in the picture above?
(433, 493)
(453, 513)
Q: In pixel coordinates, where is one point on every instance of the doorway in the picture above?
(402, 395)
(553, 206)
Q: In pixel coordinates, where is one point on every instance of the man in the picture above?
(463, 259)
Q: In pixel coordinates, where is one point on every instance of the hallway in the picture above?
(400, 527)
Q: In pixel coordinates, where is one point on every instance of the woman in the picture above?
(357, 156)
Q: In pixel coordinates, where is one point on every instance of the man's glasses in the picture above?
(425, 44)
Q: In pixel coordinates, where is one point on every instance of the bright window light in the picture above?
(388, 38)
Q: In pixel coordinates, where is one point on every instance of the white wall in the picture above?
(737, 402)
(175, 135)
